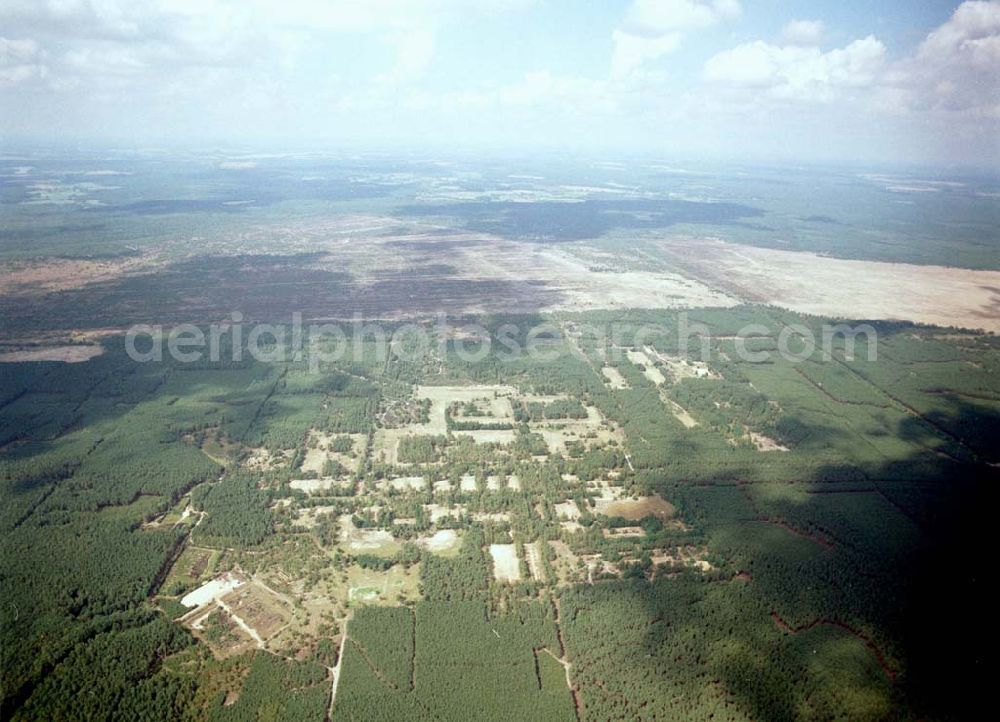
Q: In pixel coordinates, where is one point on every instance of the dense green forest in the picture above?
(812, 575)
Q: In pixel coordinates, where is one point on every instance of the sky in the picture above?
(858, 81)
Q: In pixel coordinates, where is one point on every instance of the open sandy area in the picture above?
(505, 564)
(842, 288)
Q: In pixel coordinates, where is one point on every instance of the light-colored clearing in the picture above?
(842, 288)
(606, 489)
(505, 565)
(624, 531)
(614, 377)
(467, 482)
(683, 368)
(649, 370)
(404, 483)
(440, 541)
(397, 583)
(495, 398)
(590, 432)
(365, 540)
(318, 452)
(635, 509)
(66, 354)
(495, 482)
(385, 445)
(308, 517)
(311, 485)
(765, 443)
(567, 510)
(490, 436)
(438, 512)
(533, 556)
(210, 591)
(679, 412)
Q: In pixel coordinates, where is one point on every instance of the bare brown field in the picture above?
(27, 278)
(841, 288)
(381, 267)
(635, 509)
(66, 354)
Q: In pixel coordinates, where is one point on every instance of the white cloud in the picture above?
(93, 40)
(654, 18)
(631, 51)
(20, 60)
(956, 68)
(654, 28)
(798, 73)
(414, 52)
(803, 32)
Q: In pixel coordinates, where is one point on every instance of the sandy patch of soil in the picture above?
(682, 368)
(313, 485)
(765, 443)
(60, 274)
(495, 399)
(490, 436)
(365, 540)
(404, 483)
(651, 372)
(635, 509)
(309, 517)
(567, 510)
(505, 564)
(66, 354)
(679, 412)
(210, 591)
(438, 511)
(533, 556)
(842, 288)
(440, 541)
(624, 531)
(614, 377)
(583, 289)
(318, 451)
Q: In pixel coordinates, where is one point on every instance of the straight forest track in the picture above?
(335, 670)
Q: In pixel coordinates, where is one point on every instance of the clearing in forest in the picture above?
(505, 564)
(368, 541)
(494, 401)
(440, 542)
(635, 509)
(682, 368)
(210, 591)
(533, 556)
(614, 377)
(567, 510)
(311, 486)
(649, 369)
(589, 432)
(344, 449)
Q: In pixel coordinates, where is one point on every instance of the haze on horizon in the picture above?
(864, 82)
